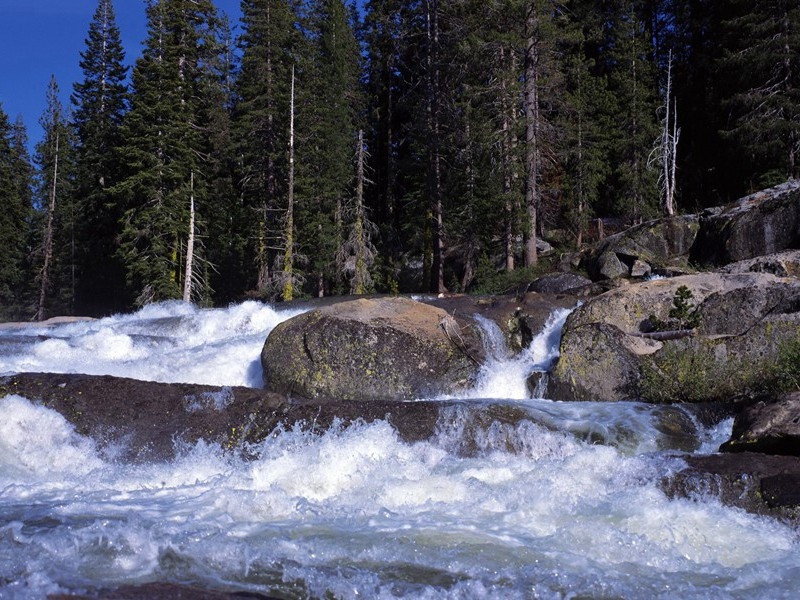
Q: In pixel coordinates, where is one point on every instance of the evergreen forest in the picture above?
(317, 149)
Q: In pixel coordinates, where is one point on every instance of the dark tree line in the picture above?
(421, 145)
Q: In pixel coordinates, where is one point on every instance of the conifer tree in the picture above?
(585, 123)
(634, 85)
(15, 216)
(762, 67)
(100, 101)
(269, 45)
(167, 133)
(327, 119)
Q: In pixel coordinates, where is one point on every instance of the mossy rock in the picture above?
(744, 321)
(371, 349)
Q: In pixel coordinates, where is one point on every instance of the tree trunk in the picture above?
(288, 256)
(532, 127)
(48, 239)
(360, 279)
(187, 278)
(434, 162)
(507, 169)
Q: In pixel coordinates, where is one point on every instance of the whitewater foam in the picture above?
(356, 512)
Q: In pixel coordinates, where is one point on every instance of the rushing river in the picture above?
(564, 505)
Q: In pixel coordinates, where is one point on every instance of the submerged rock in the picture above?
(141, 421)
(768, 427)
(758, 483)
(757, 225)
(377, 349)
(162, 591)
(606, 353)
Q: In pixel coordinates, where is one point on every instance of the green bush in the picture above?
(683, 314)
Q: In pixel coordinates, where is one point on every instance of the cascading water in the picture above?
(564, 504)
(505, 377)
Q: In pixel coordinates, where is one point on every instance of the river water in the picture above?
(566, 505)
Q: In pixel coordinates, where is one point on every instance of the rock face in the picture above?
(744, 320)
(769, 427)
(655, 244)
(757, 225)
(519, 316)
(380, 349)
(558, 283)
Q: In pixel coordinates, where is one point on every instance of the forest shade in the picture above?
(420, 146)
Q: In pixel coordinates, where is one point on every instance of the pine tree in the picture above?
(168, 133)
(384, 33)
(331, 102)
(15, 216)
(762, 66)
(100, 101)
(585, 122)
(633, 83)
(269, 44)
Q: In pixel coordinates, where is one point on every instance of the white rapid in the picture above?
(565, 505)
(169, 342)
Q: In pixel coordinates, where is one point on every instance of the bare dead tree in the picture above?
(288, 257)
(187, 280)
(665, 152)
(44, 276)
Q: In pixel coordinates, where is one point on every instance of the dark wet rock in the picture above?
(744, 321)
(536, 384)
(558, 283)
(782, 264)
(141, 421)
(758, 483)
(768, 427)
(763, 223)
(162, 591)
(372, 349)
(658, 243)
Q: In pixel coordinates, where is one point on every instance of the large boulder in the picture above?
(371, 349)
(764, 223)
(608, 351)
(659, 243)
(769, 427)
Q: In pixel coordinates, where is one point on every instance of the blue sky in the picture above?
(43, 37)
